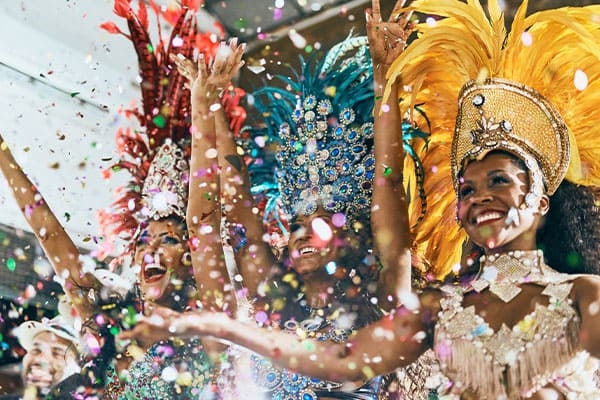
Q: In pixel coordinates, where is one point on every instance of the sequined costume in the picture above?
(330, 324)
(515, 362)
(322, 124)
(531, 92)
(168, 370)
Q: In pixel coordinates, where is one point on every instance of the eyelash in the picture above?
(499, 179)
(464, 192)
(495, 180)
(171, 240)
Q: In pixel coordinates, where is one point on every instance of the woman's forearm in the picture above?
(203, 215)
(373, 350)
(389, 216)
(252, 253)
(58, 246)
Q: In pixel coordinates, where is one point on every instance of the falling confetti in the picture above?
(11, 264)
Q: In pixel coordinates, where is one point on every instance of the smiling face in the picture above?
(49, 360)
(314, 242)
(491, 204)
(159, 251)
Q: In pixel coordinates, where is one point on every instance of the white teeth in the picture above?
(488, 216)
(156, 267)
(307, 250)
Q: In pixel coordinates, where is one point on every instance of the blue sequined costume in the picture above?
(272, 383)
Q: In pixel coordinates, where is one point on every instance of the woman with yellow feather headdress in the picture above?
(524, 148)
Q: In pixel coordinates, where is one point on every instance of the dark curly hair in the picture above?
(357, 273)
(570, 235)
(570, 232)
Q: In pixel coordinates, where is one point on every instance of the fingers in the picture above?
(376, 11)
(395, 15)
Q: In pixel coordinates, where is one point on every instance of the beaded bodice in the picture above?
(510, 362)
(324, 325)
(175, 369)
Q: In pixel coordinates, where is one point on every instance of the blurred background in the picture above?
(62, 82)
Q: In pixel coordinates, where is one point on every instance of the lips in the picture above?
(487, 217)
(153, 272)
(307, 250)
(39, 376)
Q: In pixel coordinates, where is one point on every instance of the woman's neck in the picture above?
(319, 293)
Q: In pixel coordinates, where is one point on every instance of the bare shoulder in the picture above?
(587, 280)
(586, 287)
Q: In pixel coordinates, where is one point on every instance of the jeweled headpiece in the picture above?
(156, 155)
(532, 91)
(166, 186)
(324, 126)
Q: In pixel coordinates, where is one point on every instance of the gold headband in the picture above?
(498, 114)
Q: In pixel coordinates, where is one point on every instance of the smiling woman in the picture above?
(154, 215)
(347, 219)
(525, 138)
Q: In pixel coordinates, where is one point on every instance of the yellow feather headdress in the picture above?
(551, 58)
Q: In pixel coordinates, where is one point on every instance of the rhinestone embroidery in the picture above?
(511, 361)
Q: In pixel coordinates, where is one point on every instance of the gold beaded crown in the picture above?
(532, 91)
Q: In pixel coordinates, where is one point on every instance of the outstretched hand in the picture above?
(387, 39)
(208, 79)
(163, 323)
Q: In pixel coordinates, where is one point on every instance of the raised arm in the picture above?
(58, 246)
(253, 255)
(204, 209)
(389, 216)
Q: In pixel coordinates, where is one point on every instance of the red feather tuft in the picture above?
(122, 8)
(143, 14)
(165, 108)
(111, 27)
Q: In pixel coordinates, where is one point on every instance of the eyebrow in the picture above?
(490, 173)
(145, 234)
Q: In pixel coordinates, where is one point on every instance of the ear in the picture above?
(544, 206)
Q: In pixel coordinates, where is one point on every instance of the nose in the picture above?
(481, 197)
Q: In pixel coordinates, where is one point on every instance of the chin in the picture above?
(156, 290)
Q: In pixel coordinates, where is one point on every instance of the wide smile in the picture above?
(153, 272)
(307, 251)
(487, 217)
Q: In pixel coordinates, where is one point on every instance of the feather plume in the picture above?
(546, 51)
(165, 108)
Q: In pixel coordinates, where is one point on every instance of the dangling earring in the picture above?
(138, 297)
(456, 218)
(186, 259)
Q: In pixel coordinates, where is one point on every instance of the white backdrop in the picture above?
(50, 50)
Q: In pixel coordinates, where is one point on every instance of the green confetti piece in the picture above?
(114, 330)
(387, 171)
(160, 121)
(309, 346)
(73, 94)
(11, 264)
(573, 259)
(241, 24)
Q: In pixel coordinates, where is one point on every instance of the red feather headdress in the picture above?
(165, 109)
